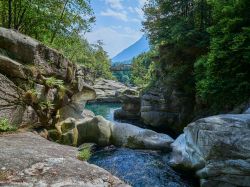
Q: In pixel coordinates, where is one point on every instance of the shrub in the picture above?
(84, 154)
(5, 125)
(52, 82)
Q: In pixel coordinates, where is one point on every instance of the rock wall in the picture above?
(167, 110)
(38, 81)
(217, 148)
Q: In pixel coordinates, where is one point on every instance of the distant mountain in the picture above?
(126, 56)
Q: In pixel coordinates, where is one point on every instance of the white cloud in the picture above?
(115, 4)
(122, 15)
(115, 39)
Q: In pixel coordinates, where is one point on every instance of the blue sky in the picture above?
(118, 23)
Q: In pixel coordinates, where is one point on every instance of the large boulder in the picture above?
(108, 90)
(217, 148)
(131, 105)
(34, 75)
(169, 110)
(30, 160)
(103, 132)
(134, 137)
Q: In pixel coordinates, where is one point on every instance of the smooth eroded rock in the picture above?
(30, 160)
(217, 148)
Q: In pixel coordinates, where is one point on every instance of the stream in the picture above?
(139, 168)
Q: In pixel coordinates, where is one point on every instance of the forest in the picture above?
(61, 25)
(207, 45)
(175, 115)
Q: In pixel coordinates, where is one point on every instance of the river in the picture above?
(139, 168)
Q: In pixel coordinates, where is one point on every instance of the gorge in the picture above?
(172, 111)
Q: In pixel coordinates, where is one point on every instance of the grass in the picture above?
(5, 126)
(84, 154)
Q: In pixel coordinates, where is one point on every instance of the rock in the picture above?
(87, 114)
(247, 111)
(131, 104)
(96, 130)
(76, 107)
(12, 68)
(134, 137)
(54, 135)
(104, 133)
(41, 78)
(170, 111)
(30, 160)
(91, 146)
(217, 148)
(108, 90)
(11, 106)
(29, 117)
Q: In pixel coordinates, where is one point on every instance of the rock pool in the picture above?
(139, 168)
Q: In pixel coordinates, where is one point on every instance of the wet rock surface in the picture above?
(30, 160)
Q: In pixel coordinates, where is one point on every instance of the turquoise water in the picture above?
(104, 109)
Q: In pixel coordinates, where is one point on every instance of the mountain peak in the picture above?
(140, 46)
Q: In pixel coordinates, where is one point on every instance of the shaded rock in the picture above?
(12, 68)
(217, 148)
(11, 106)
(169, 110)
(30, 160)
(96, 130)
(76, 107)
(131, 105)
(90, 146)
(134, 137)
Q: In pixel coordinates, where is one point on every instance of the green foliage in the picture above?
(46, 105)
(123, 76)
(59, 24)
(223, 74)
(5, 125)
(53, 82)
(85, 154)
(203, 49)
(140, 69)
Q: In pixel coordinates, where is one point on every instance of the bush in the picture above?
(84, 154)
(53, 82)
(5, 125)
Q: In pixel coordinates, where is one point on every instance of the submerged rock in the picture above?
(217, 148)
(30, 160)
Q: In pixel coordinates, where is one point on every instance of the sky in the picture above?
(118, 24)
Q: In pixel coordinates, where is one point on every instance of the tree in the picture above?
(223, 74)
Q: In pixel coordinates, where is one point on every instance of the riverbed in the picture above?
(139, 168)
